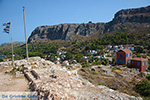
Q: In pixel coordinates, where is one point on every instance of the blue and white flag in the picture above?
(7, 27)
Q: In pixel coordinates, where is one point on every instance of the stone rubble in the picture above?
(53, 82)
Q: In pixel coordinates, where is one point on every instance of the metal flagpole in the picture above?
(12, 45)
(25, 34)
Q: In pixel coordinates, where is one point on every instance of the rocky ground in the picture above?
(119, 78)
(9, 82)
(54, 82)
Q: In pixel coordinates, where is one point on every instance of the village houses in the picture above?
(140, 64)
(124, 57)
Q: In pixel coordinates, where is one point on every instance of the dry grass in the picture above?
(117, 83)
(118, 71)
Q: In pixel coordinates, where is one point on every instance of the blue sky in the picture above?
(51, 12)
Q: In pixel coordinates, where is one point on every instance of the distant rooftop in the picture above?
(126, 50)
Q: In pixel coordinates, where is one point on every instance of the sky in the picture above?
(53, 12)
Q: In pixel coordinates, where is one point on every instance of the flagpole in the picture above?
(12, 46)
(25, 34)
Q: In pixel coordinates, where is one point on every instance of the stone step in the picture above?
(30, 76)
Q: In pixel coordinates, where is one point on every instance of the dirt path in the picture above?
(9, 83)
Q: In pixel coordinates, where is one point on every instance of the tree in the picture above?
(97, 62)
(113, 60)
(105, 61)
(138, 55)
(91, 59)
(138, 49)
(78, 57)
(148, 76)
(90, 21)
(1, 60)
(68, 56)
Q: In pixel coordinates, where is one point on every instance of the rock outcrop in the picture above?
(53, 82)
(65, 31)
(70, 31)
(137, 15)
(140, 15)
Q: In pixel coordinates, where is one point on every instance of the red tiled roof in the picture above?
(139, 59)
(126, 50)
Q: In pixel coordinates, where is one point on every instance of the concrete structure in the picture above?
(123, 56)
(140, 64)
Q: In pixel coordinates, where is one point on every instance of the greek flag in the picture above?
(7, 27)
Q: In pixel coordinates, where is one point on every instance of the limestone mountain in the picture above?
(136, 21)
(65, 31)
(140, 16)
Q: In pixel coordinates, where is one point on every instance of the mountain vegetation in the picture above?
(76, 46)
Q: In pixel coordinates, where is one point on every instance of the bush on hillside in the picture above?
(1, 60)
(148, 76)
(143, 88)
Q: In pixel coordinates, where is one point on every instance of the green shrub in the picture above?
(148, 76)
(138, 55)
(146, 98)
(98, 62)
(132, 82)
(105, 61)
(15, 70)
(115, 68)
(1, 60)
(113, 60)
(143, 88)
(85, 65)
(101, 84)
(90, 80)
(94, 72)
(124, 65)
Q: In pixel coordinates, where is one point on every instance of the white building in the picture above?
(63, 56)
(115, 47)
(65, 63)
(57, 58)
(63, 53)
(109, 47)
(59, 53)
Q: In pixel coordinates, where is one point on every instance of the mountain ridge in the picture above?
(69, 31)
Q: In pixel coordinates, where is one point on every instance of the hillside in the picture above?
(135, 21)
(7, 46)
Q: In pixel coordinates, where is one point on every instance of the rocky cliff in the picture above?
(140, 15)
(70, 31)
(65, 31)
(137, 15)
